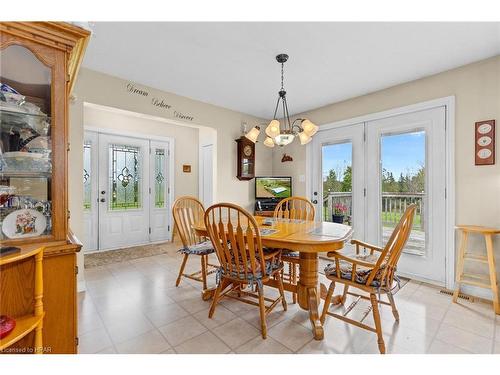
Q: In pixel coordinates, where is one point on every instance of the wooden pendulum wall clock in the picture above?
(246, 159)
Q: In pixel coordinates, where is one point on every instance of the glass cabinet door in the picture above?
(25, 145)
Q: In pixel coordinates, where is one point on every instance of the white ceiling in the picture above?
(233, 64)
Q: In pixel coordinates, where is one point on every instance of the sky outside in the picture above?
(400, 153)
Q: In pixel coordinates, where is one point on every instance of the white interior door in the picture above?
(207, 175)
(159, 191)
(406, 163)
(339, 175)
(123, 191)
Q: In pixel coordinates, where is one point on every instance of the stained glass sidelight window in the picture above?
(124, 177)
(159, 178)
(87, 171)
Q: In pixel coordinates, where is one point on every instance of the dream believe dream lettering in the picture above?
(160, 103)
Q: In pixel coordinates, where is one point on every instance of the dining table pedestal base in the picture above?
(307, 291)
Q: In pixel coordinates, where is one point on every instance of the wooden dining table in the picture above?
(309, 238)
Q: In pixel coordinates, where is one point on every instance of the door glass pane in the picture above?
(337, 182)
(160, 185)
(25, 145)
(87, 173)
(124, 177)
(403, 183)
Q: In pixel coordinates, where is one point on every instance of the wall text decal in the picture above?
(158, 102)
(134, 90)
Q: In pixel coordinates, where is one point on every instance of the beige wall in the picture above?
(476, 88)
(105, 90)
(186, 141)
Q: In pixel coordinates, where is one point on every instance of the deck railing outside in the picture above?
(393, 206)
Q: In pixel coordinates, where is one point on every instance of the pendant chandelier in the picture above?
(276, 134)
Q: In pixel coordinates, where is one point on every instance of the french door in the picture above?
(125, 191)
(339, 173)
(370, 172)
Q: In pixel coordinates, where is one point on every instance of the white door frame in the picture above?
(449, 104)
(151, 137)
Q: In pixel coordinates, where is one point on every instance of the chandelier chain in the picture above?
(282, 69)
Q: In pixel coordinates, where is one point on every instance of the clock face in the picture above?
(484, 153)
(484, 141)
(247, 150)
(484, 128)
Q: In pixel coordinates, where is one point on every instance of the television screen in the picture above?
(273, 187)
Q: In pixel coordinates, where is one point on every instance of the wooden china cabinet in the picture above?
(39, 62)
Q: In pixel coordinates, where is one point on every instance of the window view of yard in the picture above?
(402, 183)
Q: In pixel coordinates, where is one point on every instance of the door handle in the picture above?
(103, 200)
(315, 201)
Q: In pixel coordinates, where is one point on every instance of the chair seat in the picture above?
(271, 267)
(362, 273)
(202, 248)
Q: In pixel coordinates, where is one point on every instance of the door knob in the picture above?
(315, 201)
(103, 200)
(103, 192)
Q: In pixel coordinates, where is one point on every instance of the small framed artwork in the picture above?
(186, 168)
(485, 142)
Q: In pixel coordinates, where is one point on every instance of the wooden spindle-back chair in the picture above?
(187, 211)
(238, 245)
(293, 208)
(372, 273)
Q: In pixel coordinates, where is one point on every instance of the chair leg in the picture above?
(181, 271)
(393, 305)
(215, 300)
(262, 308)
(204, 261)
(378, 325)
(278, 278)
(328, 300)
(344, 295)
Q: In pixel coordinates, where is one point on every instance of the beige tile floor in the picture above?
(134, 307)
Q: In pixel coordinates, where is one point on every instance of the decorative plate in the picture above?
(24, 223)
(484, 128)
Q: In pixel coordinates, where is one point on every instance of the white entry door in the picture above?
(370, 172)
(123, 195)
(407, 164)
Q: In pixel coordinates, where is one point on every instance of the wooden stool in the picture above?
(478, 280)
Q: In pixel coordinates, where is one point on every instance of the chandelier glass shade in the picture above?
(282, 135)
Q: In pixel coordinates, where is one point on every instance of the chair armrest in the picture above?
(359, 243)
(338, 256)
